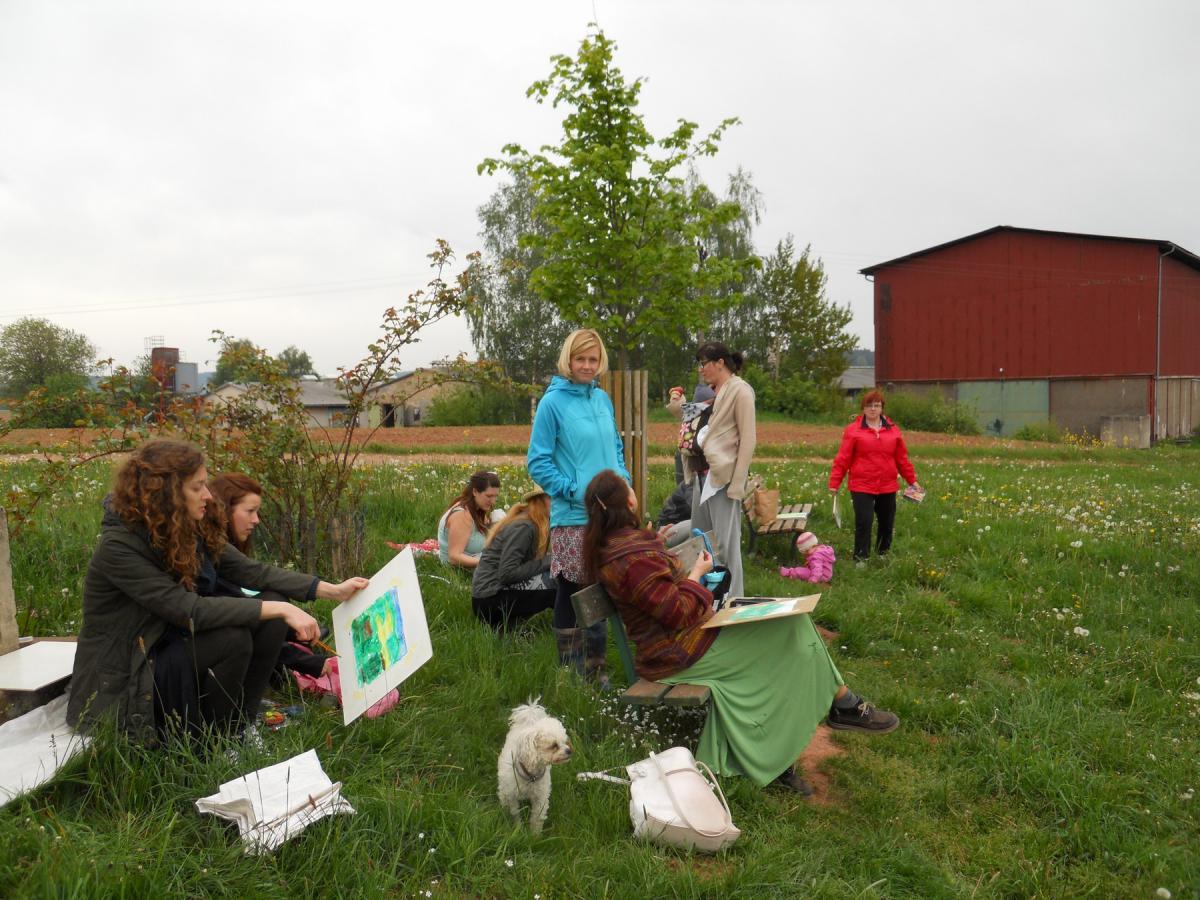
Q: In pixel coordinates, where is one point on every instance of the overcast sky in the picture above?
(279, 170)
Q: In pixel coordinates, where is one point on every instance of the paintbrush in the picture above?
(320, 643)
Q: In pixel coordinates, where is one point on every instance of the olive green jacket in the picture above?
(129, 600)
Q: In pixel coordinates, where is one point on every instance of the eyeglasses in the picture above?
(704, 362)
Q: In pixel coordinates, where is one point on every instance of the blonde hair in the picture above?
(537, 511)
(578, 341)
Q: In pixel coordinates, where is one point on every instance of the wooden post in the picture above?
(8, 601)
(628, 391)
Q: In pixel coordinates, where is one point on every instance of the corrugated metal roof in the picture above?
(1184, 256)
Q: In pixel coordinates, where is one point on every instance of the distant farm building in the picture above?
(405, 399)
(1093, 333)
(322, 399)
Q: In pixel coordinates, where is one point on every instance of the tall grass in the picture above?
(1035, 628)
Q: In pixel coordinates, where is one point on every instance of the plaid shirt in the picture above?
(661, 608)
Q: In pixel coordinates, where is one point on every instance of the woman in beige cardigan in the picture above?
(727, 443)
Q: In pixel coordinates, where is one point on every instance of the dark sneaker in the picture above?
(790, 780)
(863, 717)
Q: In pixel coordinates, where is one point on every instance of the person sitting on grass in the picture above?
(157, 650)
(463, 527)
(240, 497)
(772, 682)
(512, 581)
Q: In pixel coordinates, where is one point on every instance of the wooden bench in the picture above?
(592, 605)
(788, 527)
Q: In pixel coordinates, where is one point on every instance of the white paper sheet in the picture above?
(837, 518)
(33, 666)
(274, 804)
(709, 489)
(35, 747)
(381, 635)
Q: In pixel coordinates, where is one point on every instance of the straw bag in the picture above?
(672, 802)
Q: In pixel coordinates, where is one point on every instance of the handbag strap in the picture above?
(712, 780)
(675, 803)
(602, 776)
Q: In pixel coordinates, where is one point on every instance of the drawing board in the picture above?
(381, 635)
(745, 610)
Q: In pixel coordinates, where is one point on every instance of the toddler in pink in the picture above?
(818, 561)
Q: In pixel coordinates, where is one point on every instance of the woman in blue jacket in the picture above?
(574, 438)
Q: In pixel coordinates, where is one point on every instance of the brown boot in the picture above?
(570, 648)
(595, 660)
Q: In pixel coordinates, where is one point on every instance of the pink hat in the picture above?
(806, 542)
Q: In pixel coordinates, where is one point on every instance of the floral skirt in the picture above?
(566, 553)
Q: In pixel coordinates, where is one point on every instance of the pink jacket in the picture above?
(818, 567)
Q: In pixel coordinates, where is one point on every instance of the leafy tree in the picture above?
(509, 322)
(619, 252)
(314, 520)
(32, 351)
(788, 325)
(235, 361)
(296, 362)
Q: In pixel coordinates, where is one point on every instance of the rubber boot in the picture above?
(570, 648)
(595, 661)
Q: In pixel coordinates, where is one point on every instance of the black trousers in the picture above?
(214, 680)
(868, 507)
(564, 612)
(510, 607)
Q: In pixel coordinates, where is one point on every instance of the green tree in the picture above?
(32, 351)
(509, 322)
(787, 325)
(296, 362)
(620, 249)
(235, 361)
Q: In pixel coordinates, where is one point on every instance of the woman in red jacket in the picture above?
(873, 452)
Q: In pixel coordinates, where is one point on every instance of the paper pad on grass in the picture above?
(278, 802)
(34, 747)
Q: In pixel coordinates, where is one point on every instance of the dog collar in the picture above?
(525, 773)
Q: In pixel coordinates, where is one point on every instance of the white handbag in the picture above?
(672, 802)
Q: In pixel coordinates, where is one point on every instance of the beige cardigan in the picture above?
(729, 443)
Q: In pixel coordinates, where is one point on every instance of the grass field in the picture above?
(1036, 629)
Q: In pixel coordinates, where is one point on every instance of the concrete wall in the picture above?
(1177, 407)
(1078, 405)
(1005, 407)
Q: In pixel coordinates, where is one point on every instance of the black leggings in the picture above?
(866, 508)
(215, 679)
(564, 612)
(510, 607)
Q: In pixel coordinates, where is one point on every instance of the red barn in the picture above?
(1083, 330)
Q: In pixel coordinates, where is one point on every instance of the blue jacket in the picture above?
(574, 438)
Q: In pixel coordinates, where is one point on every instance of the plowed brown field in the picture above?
(427, 439)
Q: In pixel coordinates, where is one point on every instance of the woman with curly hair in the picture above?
(158, 651)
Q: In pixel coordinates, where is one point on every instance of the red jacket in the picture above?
(872, 458)
(661, 608)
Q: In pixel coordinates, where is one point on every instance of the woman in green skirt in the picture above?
(772, 682)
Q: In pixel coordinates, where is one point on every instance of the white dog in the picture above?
(536, 741)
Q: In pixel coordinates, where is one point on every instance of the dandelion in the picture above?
(1076, 544)
(509, 863)
(1164, 893)
(1081, 631)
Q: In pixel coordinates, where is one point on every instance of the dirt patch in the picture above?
(819, 749)
(703, 867)
(432, 437)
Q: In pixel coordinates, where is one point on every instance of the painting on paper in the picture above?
(382, 635)
(378, 637)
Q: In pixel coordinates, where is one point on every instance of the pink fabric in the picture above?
(332, 684)
(819, 566)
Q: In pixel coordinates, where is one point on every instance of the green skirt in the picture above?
(772, 684)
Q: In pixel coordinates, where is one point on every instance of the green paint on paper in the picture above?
(378, 637)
